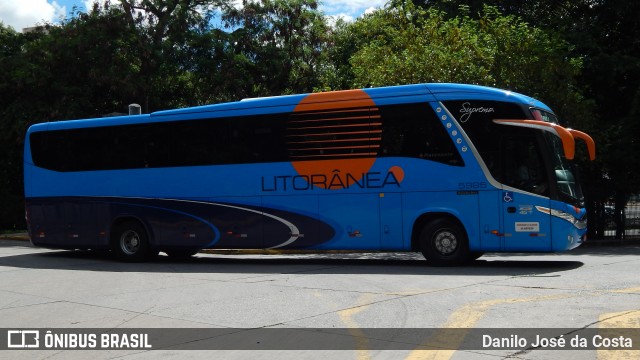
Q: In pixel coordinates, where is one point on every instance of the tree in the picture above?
(409, 44)
(610, 42)
(162, 30)
(278, 44)
(82, 68)
(16, 77)
(414, 45)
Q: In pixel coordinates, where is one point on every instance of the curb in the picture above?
(18, 237)
(283, 251)
(612, 242)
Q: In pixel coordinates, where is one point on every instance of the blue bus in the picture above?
(449, 170)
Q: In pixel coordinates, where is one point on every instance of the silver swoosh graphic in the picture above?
(295, 233)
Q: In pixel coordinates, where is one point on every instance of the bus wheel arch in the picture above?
(130, 240)
(442, 239)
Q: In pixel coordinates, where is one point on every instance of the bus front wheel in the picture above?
(130, 242)
(444, 242)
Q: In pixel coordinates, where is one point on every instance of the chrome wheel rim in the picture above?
(130, 242)
(445, 242)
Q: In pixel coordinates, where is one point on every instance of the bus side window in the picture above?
(413, 130)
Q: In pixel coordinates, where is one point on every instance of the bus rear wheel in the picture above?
(130, 242)
(444, 242)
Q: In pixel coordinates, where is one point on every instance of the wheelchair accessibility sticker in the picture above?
(507, 196)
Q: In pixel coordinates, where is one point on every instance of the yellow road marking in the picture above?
(619, 320)
(362, 352)
(465, 318)
(628, 290)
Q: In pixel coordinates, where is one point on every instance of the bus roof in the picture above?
(445, 91)
(287, 103)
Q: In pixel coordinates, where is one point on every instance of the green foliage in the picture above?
(161, 32)
(411, 44)
(611, 46)
(278, 44)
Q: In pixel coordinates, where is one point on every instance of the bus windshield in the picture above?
(564, 171)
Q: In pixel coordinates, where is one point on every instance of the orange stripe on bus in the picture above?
(337, 111)
(331, 119)
(332, 155)
(339, 133)
(336, 126)
(338, 148)
(337, 140)
(335, 101)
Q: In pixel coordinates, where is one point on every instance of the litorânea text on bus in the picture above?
(336, 181)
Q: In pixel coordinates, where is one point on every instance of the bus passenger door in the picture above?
(527, 187)
(490, 220)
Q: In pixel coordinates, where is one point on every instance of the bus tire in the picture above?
(444, 242)
(130, 242)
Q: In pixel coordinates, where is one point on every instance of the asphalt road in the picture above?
(588, 288)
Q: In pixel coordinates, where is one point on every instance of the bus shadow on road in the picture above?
(323, 263)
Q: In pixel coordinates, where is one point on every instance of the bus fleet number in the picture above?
(476, 185)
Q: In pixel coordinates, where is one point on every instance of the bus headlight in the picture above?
(579, 224)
